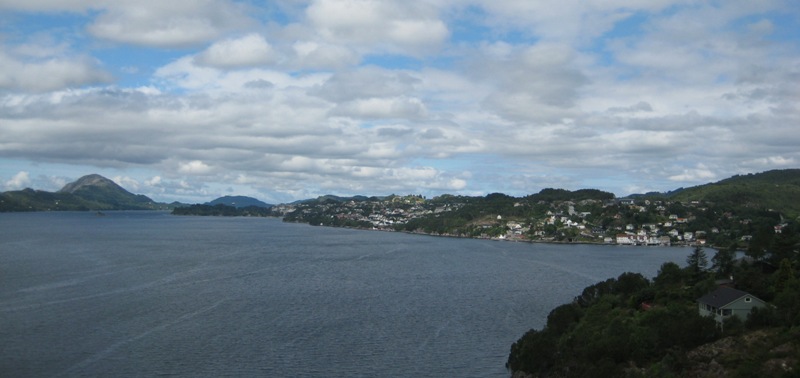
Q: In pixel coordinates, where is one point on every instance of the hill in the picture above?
(635, 327)
(101, 190)
(39, 200)
(776, 189)
(238, 201)
(90, 192)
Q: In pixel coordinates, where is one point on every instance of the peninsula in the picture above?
(746, 211)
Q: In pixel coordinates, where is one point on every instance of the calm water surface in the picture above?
(149, 294)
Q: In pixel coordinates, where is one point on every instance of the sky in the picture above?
(190, 100)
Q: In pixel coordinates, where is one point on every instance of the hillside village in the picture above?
(610, 221)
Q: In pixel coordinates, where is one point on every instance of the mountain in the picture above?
(99, 189)
(91, 192)
(776, 189)
(238, 202)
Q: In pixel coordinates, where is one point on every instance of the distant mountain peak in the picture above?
(89, 181)
(104, 191)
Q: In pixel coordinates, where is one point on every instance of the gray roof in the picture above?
(722, 296)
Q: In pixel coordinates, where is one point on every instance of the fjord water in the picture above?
(148, 294)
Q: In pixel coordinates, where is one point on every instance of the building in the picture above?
(725, 302)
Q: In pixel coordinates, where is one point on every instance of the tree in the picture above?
(784, 274)
(722, 262)
(784, 245)
(696, 264)
(670, 280)
(759, 243)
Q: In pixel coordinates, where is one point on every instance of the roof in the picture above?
(722, 296)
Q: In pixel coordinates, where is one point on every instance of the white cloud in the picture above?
(50, 73)
(375, 96)
(174, 23)
(130, 184)
(395, 26)
(153, 181)
(185, 74)
(318, 55)
(247, 51)
(698, 174)
(194, 167)
(21, 180)
(397, 107)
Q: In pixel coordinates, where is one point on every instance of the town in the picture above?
(589, 220)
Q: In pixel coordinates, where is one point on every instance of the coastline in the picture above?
(514, 240)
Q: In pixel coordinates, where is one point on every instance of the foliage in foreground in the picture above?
(631, 326)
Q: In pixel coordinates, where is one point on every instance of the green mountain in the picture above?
(238, 202)
(91, 192)
(39, 200)
(778, 190)
(99, 189)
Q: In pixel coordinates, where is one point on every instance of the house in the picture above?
(725, 302)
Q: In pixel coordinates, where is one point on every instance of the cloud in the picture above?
(194, 167)
(185, 74)
(49, 5)
(153, 181)
(128, 183)
(700, 173)
(382, 108)
(394, 26)
(247, 51)
(21, 180)
(49, 73)
(538, 82)
(300, 98)
(367, 82)
(570, 21)
(176, 23)
(641, 106)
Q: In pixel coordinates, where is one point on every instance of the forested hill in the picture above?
(635, 327)
(90, 192)
(777, 189)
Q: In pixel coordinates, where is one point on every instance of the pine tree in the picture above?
(722, 262)
(696, 264)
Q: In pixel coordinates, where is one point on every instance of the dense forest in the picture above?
(634, 327)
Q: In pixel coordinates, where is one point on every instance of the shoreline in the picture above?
(514, 240)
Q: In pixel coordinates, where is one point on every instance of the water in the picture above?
(150, 294)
